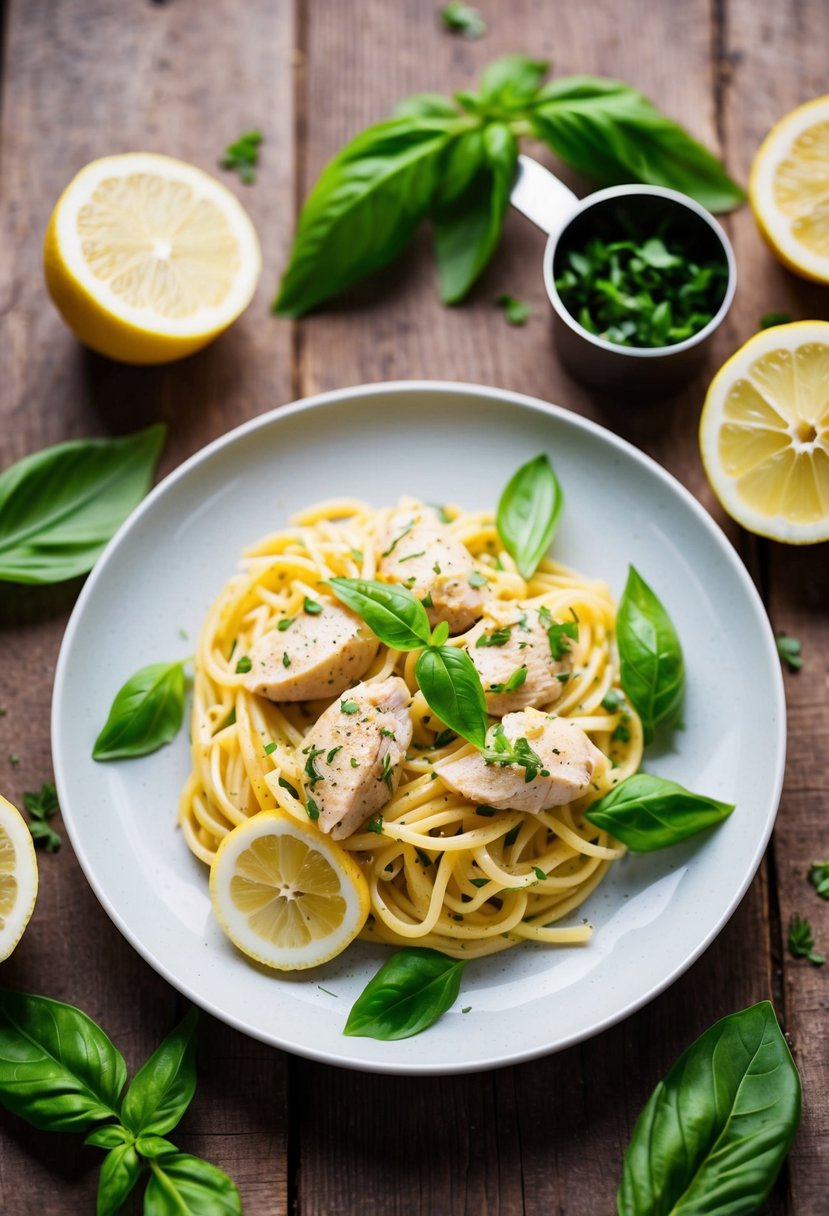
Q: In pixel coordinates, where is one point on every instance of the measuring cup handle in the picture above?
(540, 196)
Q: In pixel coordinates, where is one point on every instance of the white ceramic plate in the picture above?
(653, 916)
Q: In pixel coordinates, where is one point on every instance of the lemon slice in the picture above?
(18, 877)
(764, 433)
(147, 258)
(789, 189)
(285, 894)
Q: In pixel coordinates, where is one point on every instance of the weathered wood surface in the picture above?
(86, 77)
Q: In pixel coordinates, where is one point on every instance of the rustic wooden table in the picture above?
(82, 78)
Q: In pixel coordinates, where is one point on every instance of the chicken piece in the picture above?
(421, 553)
(516, 638)
(354, 752)
(568, 756)
(318, 655)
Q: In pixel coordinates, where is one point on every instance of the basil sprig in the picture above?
(528, 512)
(648, 813)
(651, 666)
(714, 1133)
(60, 507)
(454, 163)
(146, 713)
(61, 1072)
(407, 995)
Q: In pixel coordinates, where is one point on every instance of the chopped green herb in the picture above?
(311, 771)
(328, 991)
(355, 763)
(230, 720)
(41, 807)
(349, 707)
(621, 734)
(427, 601)
(244, 665)
(286, 785)
(311, 808)
(286, 623)
(387, 734)
(460, 18)
(398, 539)
(539, 873)
(819, 877)
(801, 942)
(559, 635)
(789, 650)
(515, 311)
(512, 835)
(357, 554)
(387, 773)
(612, 700)
(333, 753)
(445, 737)
(423, 857)
(476, 579)
(436, 567)
(270, 748)
(479, 882)
(243, 156)
(375, 825)
(466, 1009)
(411, 556)
(770, 319)
(312, 607)
(499, 637)
(515, 681)
(443, 515)
(286, 659)
(486, 811)
(503, 752)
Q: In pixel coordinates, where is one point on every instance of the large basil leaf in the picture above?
(651, 667)
(59, 507)
(145, 714)
(452, 687)
(714, 1133)
(509, 84)
(187, 1186)
(467, 229)
(364, 208)
(395, 615)
(163, 1088)
(407, 995)
(528, 513)
(613, 134)
(120, 1170)
(648, 813)
(58, 1070)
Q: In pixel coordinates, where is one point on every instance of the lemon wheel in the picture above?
(18, 877)
(285, 894)
(147, 258)
(764, 433)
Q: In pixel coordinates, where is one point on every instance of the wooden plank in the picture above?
(80, 81)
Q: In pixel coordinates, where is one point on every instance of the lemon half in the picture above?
(18, 877)
(285, 894)
(764, 433)
(147, 258)
(789, 189)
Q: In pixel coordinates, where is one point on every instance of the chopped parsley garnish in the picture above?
(445, 736)
(427, 600)
(270, 748)
(621, 734)
(286, 785)
(479, 882)
(486, 811)
(819, 877)
(476, 579)
(516, 311)
(443, 515)
(436, 567)
(411, 556)
(355, 763)
(387, 734)
(312, 607)
(612, 700)
(286, 623)
(539, 873)
(515, 681)
(286, 659)
(311, 771)
(349, 707)
(243, 156)
(503, 752)
(311, 808)
(499, 637)
(357, 554)
(801, 941)
(387, 773)
(423, 857)
(333, 753)
(789, 650)
(512, 835)
(398, 539)
(41, 807)
(244, 665)
(375, 825)
(560, 635)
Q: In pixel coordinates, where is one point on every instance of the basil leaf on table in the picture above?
(528, 513)
(182, 1185)
(60, 507)
(58, 1069)
(714, 1133)
(163, 1088)
(396, 616)
(109, 1135)
(407, 995)
(652, 670)
(509, 84)
(146, 713)
(452, 687)
(648, 813)
(613, 134)
(363, 209)
(120, 1170)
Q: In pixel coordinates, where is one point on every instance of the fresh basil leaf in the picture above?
(468, 229)
(647, 812)
(509, 84)
(651, 666)
(58, 1070)
(463, 160)
(462, 18)
(613, 134)
(109, 1135)
(120, 1170)
(154, 1146)
(528, 513)
(390, 611)
(187, 1186)
(714, 1133)
(363, 209)
(60, 507)
(145, 714)
(425, 105)
(407, 995)
(452, 687)
(517, 312)
(163, 1088)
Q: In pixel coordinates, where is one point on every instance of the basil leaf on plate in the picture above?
(651, 666)
(163, 1088)
(452, 687)
(146, 713)
(509, 84)
(648, 813)
(182, 1185)
(60, 507)
(406, 996)
(393, 613)
(528, 513)
(364, 208)
(120, 1170)
(714, 1133)
(58, 1070)
(613, 134)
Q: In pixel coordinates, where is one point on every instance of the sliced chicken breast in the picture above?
(569, 758)
(317, 656)
(421, 553)
(514, 649)
(353, 754)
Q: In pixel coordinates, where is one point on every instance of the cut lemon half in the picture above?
(764, 433)
(18, 877)
(789, 189)
(285, 894)
(147, 258)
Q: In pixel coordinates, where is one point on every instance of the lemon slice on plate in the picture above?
(789, 189)
(764, 433)
(285, 894)
(147, 258)
(18, 877)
